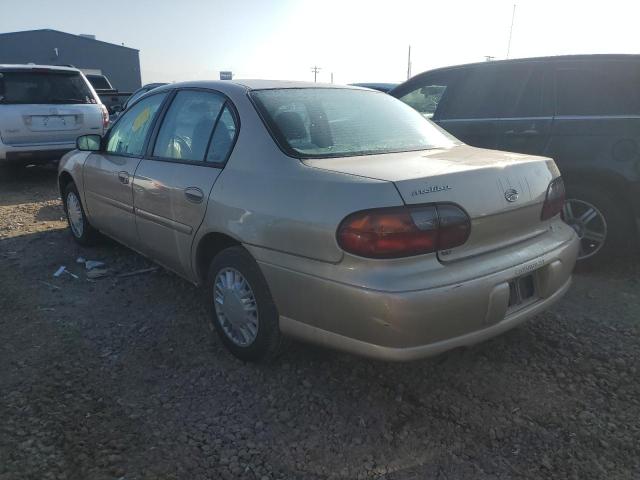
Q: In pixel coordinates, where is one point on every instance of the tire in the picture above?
(252, 309)
(80, 228)
(610, 217)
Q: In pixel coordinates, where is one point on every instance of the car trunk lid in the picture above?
(502, 192)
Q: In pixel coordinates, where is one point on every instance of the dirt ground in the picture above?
(120, 378)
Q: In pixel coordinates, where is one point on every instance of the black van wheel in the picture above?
(601, 223)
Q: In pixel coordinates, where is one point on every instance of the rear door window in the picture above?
(223, 137)
(45, 87)
(602, 88)
(187, 126)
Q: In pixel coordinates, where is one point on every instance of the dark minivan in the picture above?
(581, 110)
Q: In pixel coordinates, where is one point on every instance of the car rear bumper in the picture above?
(28, 154)
(411, 324)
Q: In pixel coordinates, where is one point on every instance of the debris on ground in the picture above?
(138, 272)
(62, 269)
(97, 273)
(91, 264)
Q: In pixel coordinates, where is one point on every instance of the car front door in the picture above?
(457, 100)
(108, 174)
(524, 121)
(172, 185)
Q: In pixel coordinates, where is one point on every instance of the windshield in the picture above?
(333, 122)
(44, 88)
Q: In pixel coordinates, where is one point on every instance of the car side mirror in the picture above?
(89, 143)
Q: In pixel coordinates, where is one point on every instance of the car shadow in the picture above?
(40, 181)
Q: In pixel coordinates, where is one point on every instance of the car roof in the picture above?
(242, 86)
(37, 67)
(550, 59)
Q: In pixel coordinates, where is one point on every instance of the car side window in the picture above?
(223, 137)
(128, 135)
(605, 88)
(427, 96)
(187, 126)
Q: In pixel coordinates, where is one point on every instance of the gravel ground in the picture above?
(120, 378)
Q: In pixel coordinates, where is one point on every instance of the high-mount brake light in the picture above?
(404, 231)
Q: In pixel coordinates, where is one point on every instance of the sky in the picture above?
(357, 41)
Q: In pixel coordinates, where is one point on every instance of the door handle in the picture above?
(123, 177)
(194, 194)
(522, 133)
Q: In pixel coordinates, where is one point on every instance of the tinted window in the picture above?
(99, 81)
(128, 135)
(330, 122)
(604, 88)
(223, 137)
(492, 92)
(187, 127)
(427, 95)
(44, 88)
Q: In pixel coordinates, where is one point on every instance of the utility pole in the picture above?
(409, 64)
(315, 70)
(513, 16)
(331, 77)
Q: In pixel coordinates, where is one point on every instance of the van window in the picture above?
(503, 91)
(605, 88)
(44, 87)
(429, 92)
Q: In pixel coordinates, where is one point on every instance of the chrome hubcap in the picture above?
(236, 307)
(588, 223)
(74, 212)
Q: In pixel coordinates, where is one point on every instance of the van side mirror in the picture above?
(89, 143)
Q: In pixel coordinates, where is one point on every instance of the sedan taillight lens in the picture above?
(554, 200)
(404, 231)
(105, 116)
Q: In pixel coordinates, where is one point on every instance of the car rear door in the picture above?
(46, 106)
(108, 174)
(172, 184)
(525, 116)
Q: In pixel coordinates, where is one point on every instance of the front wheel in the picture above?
(81, 229)
(241, 308)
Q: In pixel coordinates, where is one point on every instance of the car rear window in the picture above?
(334, 122)
(31, 87)
(99, 81)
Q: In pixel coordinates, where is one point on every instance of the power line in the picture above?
(315, 69)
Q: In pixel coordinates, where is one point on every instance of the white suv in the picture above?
(43, 109)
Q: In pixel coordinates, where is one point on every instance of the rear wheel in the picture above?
(602, 224)
(81, 229)
(241, 308)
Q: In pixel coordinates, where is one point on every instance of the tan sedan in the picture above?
(336, 215)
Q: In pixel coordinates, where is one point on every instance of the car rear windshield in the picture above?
(336, 122)
(45, 87)
(99, 81)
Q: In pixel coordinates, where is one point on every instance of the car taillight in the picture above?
(105, 116)
(554, 200)
(404, 231)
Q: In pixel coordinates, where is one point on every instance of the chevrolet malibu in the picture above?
(335, 215)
